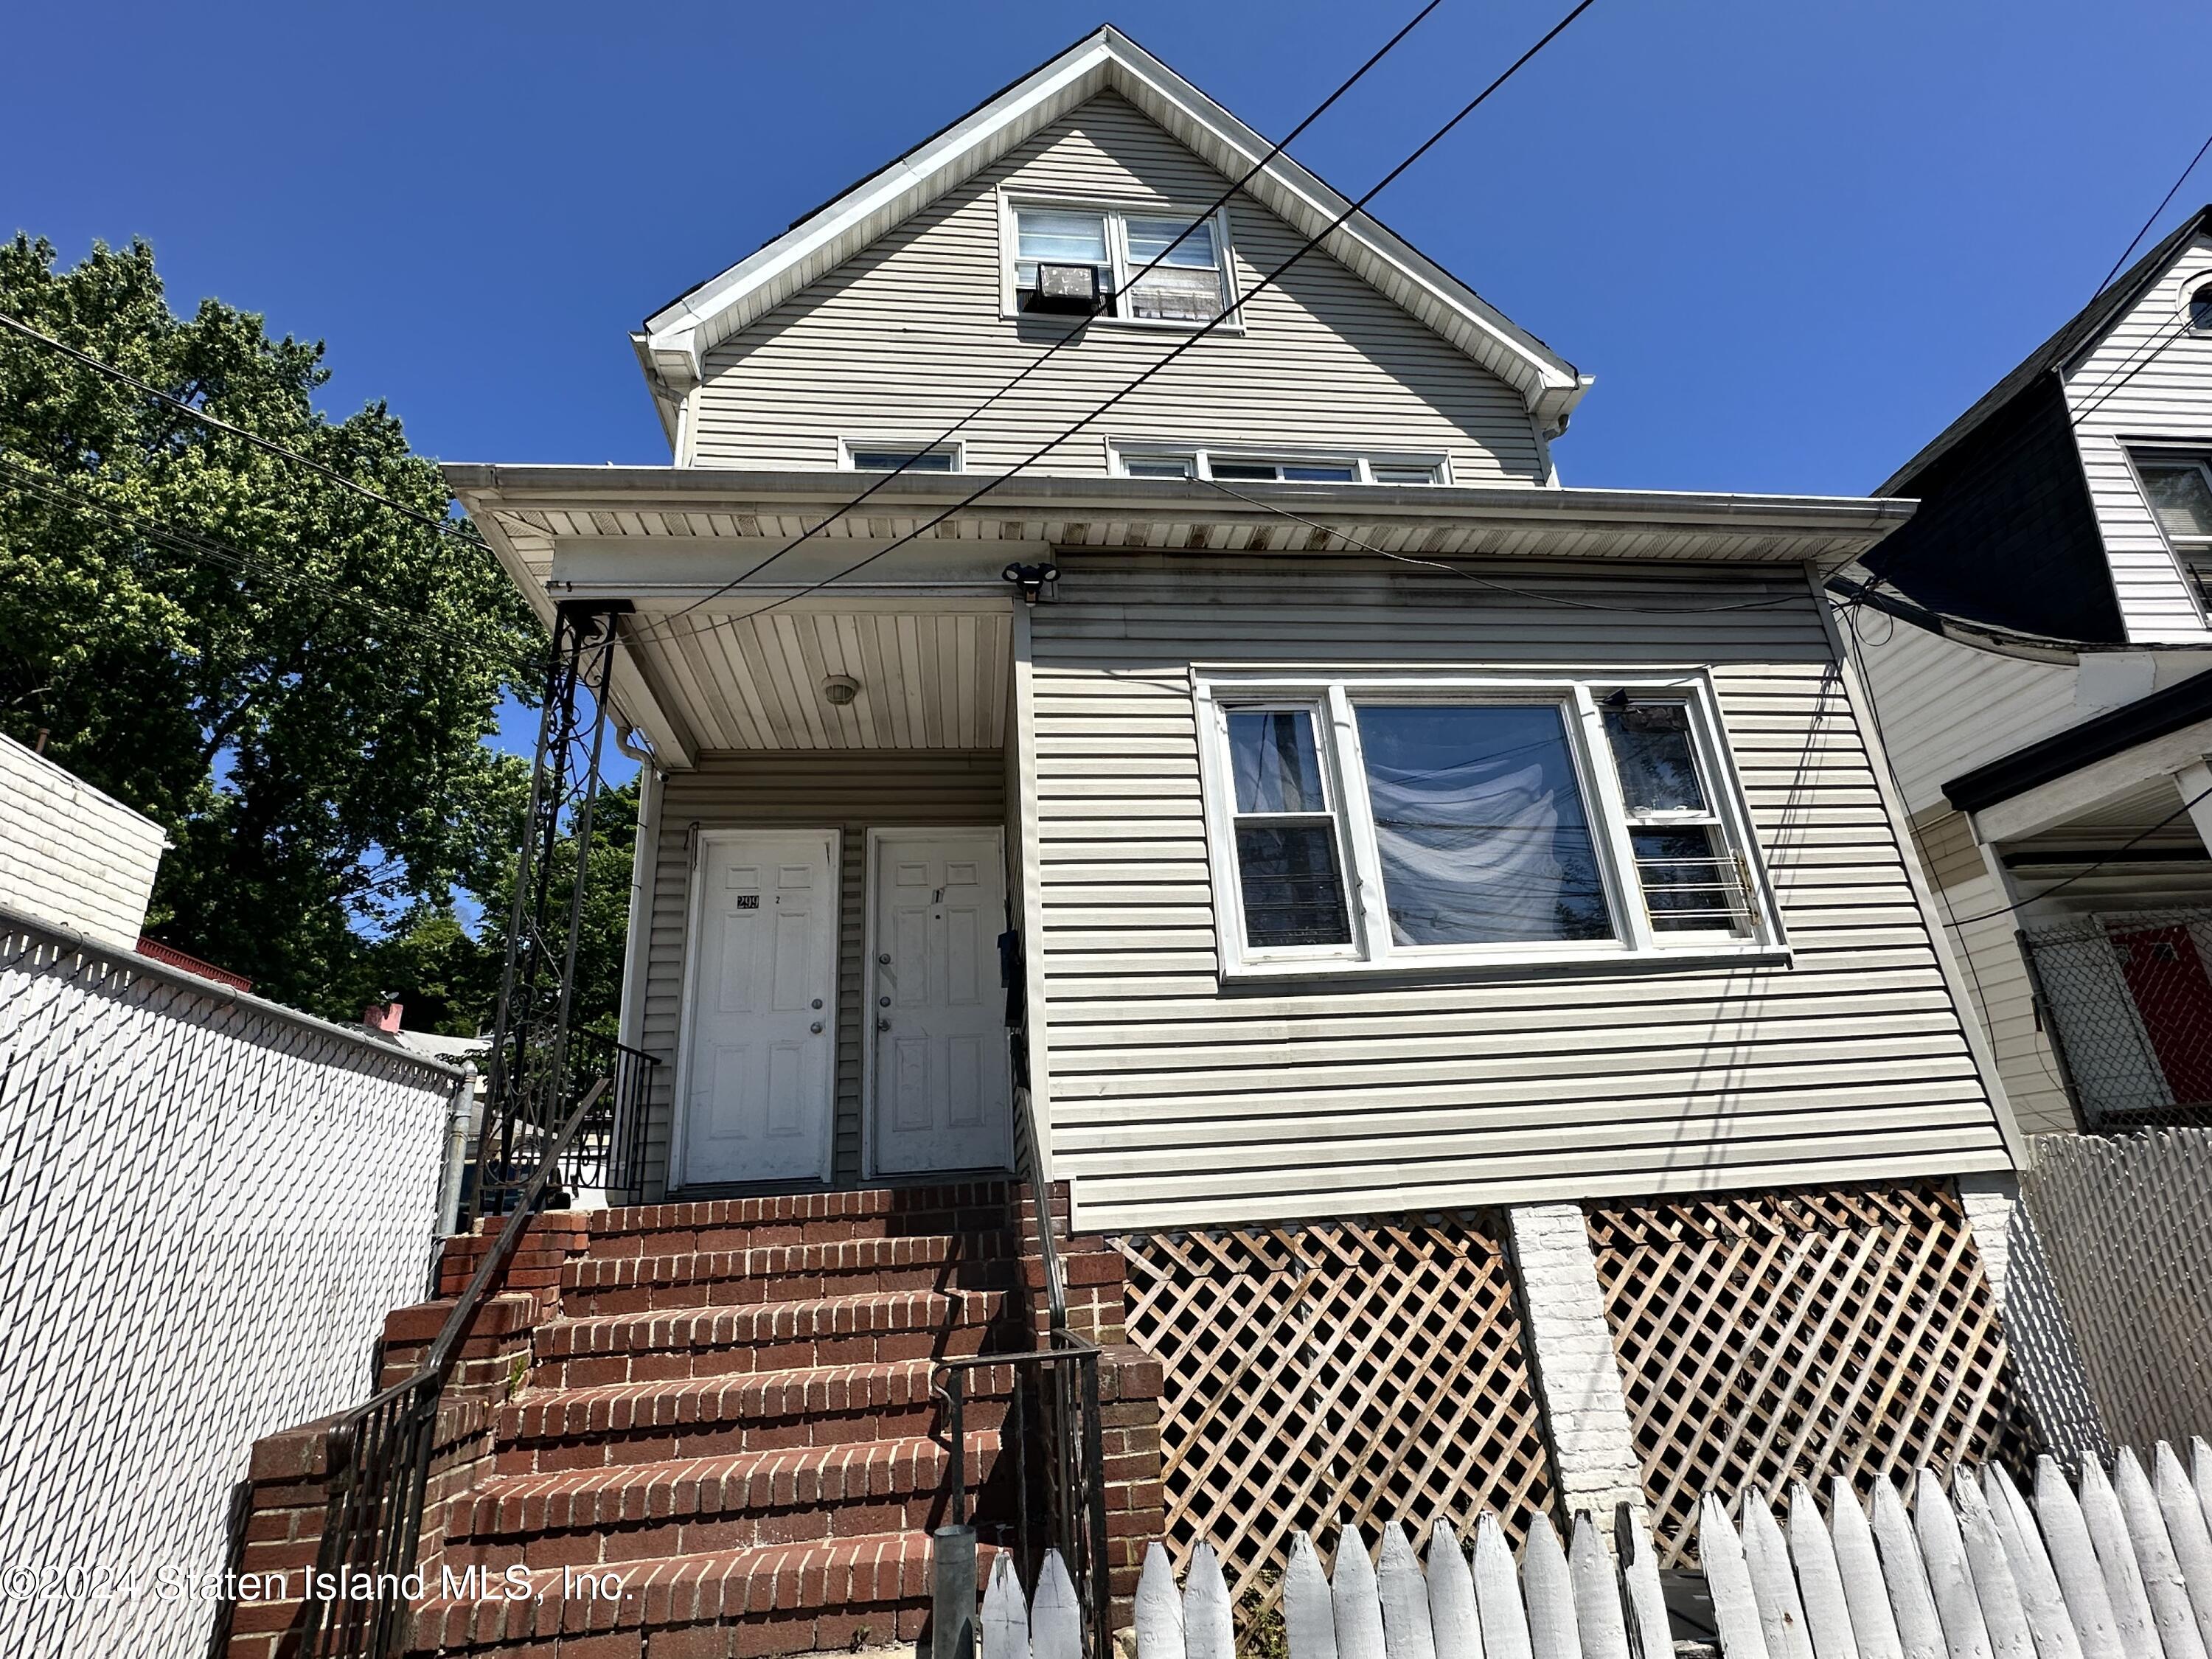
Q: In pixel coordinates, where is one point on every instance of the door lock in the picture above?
(817, 1002)
(884, 958)
(882, 1002)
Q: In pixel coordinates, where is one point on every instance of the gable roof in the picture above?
(2080, 330)
(673, 341)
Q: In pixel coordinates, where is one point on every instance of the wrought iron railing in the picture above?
(607, 1153)
(2125, 999)
(380, 1453)
(1052, 1410)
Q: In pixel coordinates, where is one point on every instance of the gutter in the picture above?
(683, 487)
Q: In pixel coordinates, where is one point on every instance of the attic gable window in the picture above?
(1083, 262)
(1402, 822)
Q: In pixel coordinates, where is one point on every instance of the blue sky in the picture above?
(1789, 241)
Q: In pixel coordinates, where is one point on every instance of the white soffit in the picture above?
(677, 338)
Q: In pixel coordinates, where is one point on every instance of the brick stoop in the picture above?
(719, 1414)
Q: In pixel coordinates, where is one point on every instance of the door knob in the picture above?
(883, 1024)
(816, 1027)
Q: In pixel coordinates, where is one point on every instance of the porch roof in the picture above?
(666, 539)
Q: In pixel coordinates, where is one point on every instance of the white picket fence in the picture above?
(2120, 1569)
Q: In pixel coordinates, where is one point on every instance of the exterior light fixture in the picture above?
(1032, 579)
(839, 689)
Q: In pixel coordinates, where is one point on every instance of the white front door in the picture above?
(759, 1062)
(939, 1084)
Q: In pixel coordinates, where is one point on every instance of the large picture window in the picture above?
(1404, 822)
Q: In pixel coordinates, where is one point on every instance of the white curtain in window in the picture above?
(1473, 855)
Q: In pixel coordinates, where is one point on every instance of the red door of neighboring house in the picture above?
(2173, 993)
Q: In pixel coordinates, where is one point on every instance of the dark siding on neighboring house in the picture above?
(2006, 533)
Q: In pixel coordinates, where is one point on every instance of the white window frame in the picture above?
(1232, 321)
(847, 447)
(1335, 695)
(2192, 556)
(1201, 456)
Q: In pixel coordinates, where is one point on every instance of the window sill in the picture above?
(1230, 324)
(1526, 965)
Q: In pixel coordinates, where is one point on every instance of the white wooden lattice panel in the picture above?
(1358, 1372)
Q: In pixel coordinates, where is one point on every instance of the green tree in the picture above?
(448, 978)
(318, 761)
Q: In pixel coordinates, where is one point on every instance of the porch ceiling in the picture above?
(929, 678)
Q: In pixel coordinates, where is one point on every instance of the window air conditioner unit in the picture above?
(1068, 289)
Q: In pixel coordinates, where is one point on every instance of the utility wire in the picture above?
(2161, 207)
(192, 545)
(465, 531)
(1502, 588)
(2091, 869)
(1076, 327)
(1185, 344)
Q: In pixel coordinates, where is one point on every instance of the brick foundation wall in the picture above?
(288, 1474)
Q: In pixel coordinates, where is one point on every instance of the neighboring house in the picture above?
(1467, 967)
(2045, 680)
(72, 856)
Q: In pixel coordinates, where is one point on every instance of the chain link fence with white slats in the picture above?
(208, 1204)
(2126, 1224)
(2126, 999)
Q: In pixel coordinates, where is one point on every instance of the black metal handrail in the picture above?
(1072, 1465)
(607, 1152)
(379, 1454)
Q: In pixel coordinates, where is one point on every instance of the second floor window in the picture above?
(1259, 466)
(1087, 261)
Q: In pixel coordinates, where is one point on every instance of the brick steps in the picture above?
(777, 1599)
(547, 1430)
(739, 1224)
(629, 1512)
(726, 1418)
(787, 1272)
(686, 1343)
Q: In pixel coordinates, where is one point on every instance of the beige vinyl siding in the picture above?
(1175, 1102)
(1988, 947)
(884, 789)
(1948, 709)
(907, 337)
(2149, 377)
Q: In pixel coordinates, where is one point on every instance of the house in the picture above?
(1441, 943)
(2037, 642)
(71, 856)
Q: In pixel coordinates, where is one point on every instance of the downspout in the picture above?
(460, 1124)
(644, 857)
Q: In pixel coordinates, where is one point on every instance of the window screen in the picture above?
(1287, 867)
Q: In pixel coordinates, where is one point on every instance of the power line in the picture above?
(2161, 207)
(1502, 588)
(1185, 344)
(2091, 869)
(447, 526)
(1076, 327)
(192, 545)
